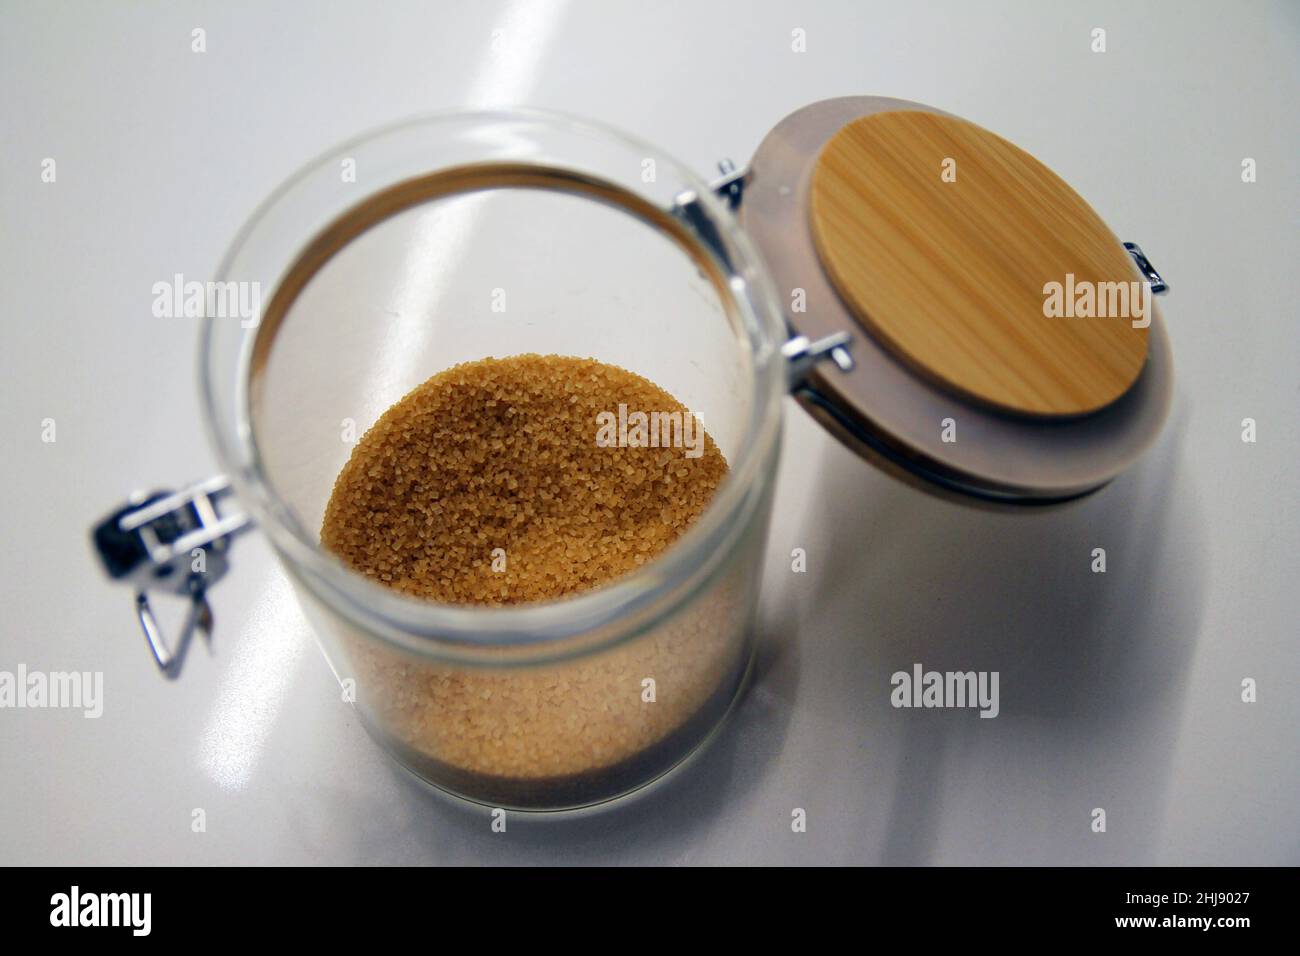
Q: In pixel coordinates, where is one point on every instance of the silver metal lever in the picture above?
(176, 542)
(199, 620)
(1158, 285)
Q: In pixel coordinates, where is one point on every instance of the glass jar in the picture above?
(459, 237)
(473, 235)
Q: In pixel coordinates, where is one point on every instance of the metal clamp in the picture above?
(173, 541)
(1158, 285)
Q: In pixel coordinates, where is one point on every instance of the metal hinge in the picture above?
(801, 354)
(731, 185)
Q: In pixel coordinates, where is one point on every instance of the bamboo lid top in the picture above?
(941, 238)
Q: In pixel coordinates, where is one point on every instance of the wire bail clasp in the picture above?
(177, 542)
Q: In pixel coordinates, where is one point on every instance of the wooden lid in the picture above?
(941, 236)
(888, 410)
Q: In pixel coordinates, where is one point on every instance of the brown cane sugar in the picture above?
(487, 485)
(503, 454)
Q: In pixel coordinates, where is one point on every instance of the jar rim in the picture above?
(630, 603)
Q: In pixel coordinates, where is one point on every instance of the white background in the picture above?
(1119, 691)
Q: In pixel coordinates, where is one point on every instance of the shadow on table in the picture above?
(1083, 657)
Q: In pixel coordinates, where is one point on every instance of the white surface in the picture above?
(1119, 691)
